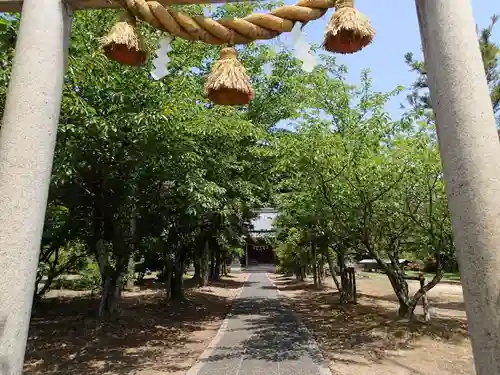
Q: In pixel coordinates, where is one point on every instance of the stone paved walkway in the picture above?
(261, 336)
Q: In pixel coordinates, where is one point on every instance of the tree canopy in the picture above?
(150, 173)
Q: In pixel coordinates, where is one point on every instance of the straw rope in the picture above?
(344, 4)
(257, 26)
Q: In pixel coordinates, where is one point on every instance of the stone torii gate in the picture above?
(466, 131)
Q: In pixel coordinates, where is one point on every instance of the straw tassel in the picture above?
(349, 30)
(228, 83)
(124, 44)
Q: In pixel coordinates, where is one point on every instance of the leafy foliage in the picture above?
(362, 185)
(149, 174)
(149, 170)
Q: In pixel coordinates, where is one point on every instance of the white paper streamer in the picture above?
(162, 59)
(302, 49)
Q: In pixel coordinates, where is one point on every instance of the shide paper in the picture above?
(162, 59)
(302, 49)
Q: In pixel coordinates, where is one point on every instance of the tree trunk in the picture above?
(106, 276)
(106, 285)
(197, 263)
(167, 272)
(117, 292)
(341, 260)
(204, 265)
(332, 270)
(314, 265)
(132, 248)
(405, 309)
(212, 264)
(421, 294)
(344, 281)
(130, 273)
(298, 273)
(400, 287)
(110, 294)
(396, 277)
(354, 288)
(217, 266)
(225, 267)
(321, 271)
(177, 284)
(112, 286)
(425, 300)
(39, 293)
(197, 271)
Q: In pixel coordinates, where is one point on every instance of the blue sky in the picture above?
(397, 33)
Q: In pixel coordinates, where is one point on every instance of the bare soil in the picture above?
(367, 339)
(149, 337)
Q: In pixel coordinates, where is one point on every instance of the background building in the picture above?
(258, 249)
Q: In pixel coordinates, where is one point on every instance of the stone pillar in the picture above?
(470, 153)
(27, 140)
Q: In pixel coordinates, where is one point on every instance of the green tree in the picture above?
(145, 166)
(362, 185)
(9, 24)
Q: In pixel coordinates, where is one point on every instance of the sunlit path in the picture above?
(261, 336)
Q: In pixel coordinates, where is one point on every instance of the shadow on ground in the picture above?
(227, 282)
(264, 329)
(295, 285)
(434, 302)
(364, 330)
(261, 268)
(231, 284)
(66, 338)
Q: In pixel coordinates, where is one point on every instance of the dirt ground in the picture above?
(151, 337)
(366, 339)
